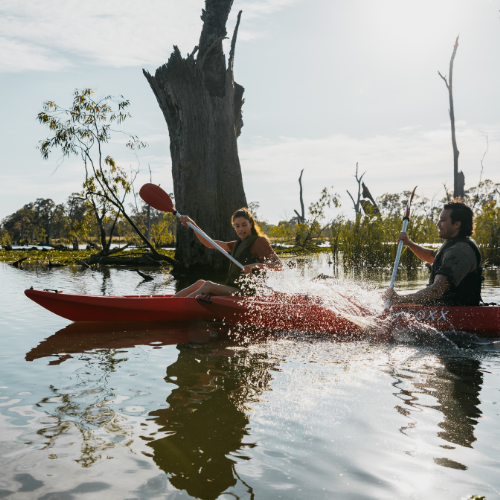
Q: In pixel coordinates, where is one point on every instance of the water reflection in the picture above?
(87, 336)
(454, 384)
(198, 439)
(207, 416)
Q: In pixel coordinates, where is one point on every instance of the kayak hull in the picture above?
(120, 308)
(296, 313)
(480, 320)
(305, 315)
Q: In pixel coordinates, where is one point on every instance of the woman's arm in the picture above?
(185, 219)
(272, 264)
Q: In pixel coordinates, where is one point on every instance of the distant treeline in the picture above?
(74, 222)
(364, 240)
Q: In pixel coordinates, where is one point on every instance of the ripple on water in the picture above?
(141, 413)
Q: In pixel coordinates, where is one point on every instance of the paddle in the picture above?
(156, 197)
(406, 218)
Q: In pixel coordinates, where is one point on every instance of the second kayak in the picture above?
(302, 313)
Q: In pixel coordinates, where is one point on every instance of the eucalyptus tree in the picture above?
(84, 130)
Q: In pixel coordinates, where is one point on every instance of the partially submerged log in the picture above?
(19, 262)
(97, 258)
(145, 277)
(55, 264)
(82, 263)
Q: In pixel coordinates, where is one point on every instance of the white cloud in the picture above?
(393, 163)
(20, 55)
(47, 35)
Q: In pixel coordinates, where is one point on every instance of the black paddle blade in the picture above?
(156, 197)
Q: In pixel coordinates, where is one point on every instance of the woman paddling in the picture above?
(252, 249)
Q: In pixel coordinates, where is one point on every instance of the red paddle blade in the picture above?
(156, 197)
(408, 205)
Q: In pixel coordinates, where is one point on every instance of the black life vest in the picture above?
(468, 291)
(241, 252)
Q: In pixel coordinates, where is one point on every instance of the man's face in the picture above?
(445, 227)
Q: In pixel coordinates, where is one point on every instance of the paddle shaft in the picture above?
(210, 240)
(396, 263)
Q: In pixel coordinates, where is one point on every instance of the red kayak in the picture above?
(309, 314)
(281, 312)
(125, 308)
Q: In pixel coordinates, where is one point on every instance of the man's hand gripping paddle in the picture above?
(406, 218)
(156, 197)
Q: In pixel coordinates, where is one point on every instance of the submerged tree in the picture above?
(302, 216)
(202, 104)
(458, 176)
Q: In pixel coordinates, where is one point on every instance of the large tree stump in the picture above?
(202, 105)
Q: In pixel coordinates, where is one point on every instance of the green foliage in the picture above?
(34, 222)
(372, 241)
(75, 220)
(283, 232)
(87, 123)
(163, 225)
(484, 192)
(83, 130)
(487, 232)
(312, 228)
(68, 257)
(4, 237)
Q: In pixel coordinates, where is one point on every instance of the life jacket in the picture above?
(468, 291)
(241, 252)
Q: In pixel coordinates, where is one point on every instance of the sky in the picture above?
(328, 84)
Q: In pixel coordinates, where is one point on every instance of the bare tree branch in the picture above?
(233, 43)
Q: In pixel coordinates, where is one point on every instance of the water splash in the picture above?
(360, 303)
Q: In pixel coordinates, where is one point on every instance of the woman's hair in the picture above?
(246, 214)
(463, 213)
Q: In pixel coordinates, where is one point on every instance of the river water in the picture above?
(127, 411)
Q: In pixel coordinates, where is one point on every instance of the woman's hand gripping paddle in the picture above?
(406, 218)
(156, 197)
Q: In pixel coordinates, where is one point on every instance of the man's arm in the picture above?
(421, 252)
(432, 292)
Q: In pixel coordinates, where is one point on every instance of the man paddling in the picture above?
(456, 272)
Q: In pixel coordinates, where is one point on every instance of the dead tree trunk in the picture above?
(458, 177)
(357, 203)
(302, 216)
(202, 104)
